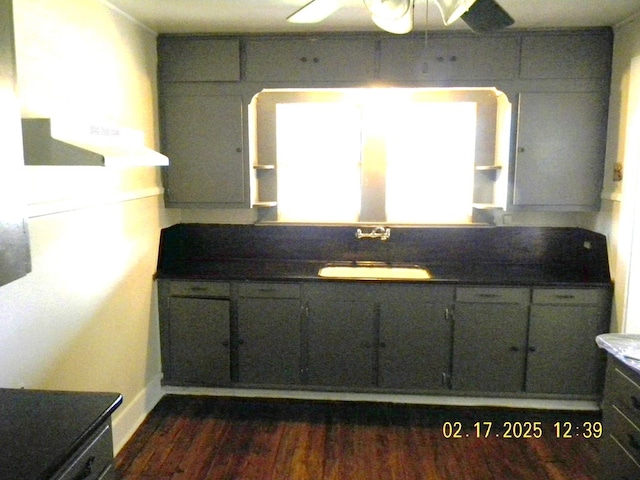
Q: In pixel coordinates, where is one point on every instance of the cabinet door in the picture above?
(560, 151)
(489, 347)
(461, 58)
(198, 341)
(269, 340)
(415, 344)
(563, 356)
(324, 60)
(340, 343)
(202, 136)
(198, 59)
(567, 56)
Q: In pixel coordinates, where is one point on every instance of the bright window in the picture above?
(402, 156)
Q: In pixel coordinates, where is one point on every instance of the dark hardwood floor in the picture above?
(198, 437)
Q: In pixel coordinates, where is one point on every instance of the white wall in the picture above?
(85, 318)
(619, 204)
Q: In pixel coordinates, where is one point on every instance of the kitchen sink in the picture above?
(374, 272)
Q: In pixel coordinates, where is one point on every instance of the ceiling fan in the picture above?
(396, 16)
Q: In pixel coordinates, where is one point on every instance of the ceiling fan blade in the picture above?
(481, 15)
(315, 11)
(486, 16)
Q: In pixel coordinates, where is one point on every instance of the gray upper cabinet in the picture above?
(566, 56)
(454, 58)
(203, 137)
(310, 59)
(198, 59)
(559, 159)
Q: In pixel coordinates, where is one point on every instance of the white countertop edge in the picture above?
(624, 346)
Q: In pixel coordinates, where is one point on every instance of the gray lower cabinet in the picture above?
(538, 341)
(490, 339)
(392, 337)
(195, 333)
(340, 335)
(562, 355)
(620, 445)
(415, 337)
(269, 334)
(382, 336)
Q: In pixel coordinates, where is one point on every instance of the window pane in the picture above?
(430, 163)
(318, 161)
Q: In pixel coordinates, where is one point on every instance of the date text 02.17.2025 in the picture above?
(486, 429)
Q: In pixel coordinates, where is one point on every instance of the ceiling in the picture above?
(268, 16)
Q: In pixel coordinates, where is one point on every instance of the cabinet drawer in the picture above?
(616, 463)
(623, 390)
(492, 295)
(625, 433)
(310, 59)
(415, 293)
(269, 290)
(572, 296)
(200, 289)
(94, 460)
(339, 292)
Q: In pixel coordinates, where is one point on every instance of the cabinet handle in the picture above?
(633, 443)
(532, 349)
(487, 295)
(521, 149)
(225, 343)
(382, 345)
(303, 59)
(565, 296)
(635, 402)
(87, 470)
(513, 348)
(198, 289)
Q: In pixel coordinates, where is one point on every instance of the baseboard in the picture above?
(127, 419)
(409, 399)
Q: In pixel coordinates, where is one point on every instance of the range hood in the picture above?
(52, 142)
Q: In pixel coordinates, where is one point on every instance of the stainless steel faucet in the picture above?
(378, 232)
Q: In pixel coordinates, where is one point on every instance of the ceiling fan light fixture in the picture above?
(399, 26)
(315, 11)
(393, 16)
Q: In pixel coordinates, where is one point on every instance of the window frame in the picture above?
(491, 146)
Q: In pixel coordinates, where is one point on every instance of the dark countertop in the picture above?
(41, 430)
(455, 273)
(550, 256)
